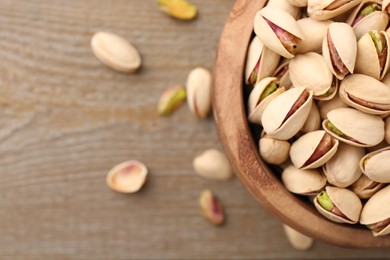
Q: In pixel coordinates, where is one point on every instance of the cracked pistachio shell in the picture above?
(275, 113)
(293, 10)
(269, 60)
(377, 20)
(303, 182)
(127, 177)
(299, 3)
(257, 107)
(377, 209)
(367, 59)
(199, 92)
(344, 40)
(328, 105)
(313, 31)
(346, 201)
(303, 149)
(367, 129)
(298, 240)
(313, 121)
(213, 164)
(376, 166)
(387, 130)
(364, 187)
(310, 70)
(283, 74)
(343, 168)
(283, 20)
(367, 90)
(317, 9)
(273, 151)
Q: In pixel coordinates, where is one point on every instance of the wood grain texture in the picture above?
(66, 119)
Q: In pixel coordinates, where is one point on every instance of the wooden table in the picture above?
(66, 120)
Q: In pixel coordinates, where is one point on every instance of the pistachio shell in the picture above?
(367, 59)
(199, 83)
(298, 240)
(386, 79)
(299, 3)
(317, 8)
(376, 165)
(344, 40)
(366, 89)
(365, 188)
(343, 168)
(293, 10)
(283, 74)
(377, 209)
(368, 130)
(313, 121)
(304, 182)
(328, 105)
(212, 164)
(303, 149)
(385, 6)
(127, 177)
(274, 115)
(387, 130)
(273, 151)
(313, 31)
(346, 201)
(280, 18)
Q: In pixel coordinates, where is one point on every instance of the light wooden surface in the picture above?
(65, 120)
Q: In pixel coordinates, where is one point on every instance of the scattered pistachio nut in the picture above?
(213, 164)
(116, 52)
(127, 177)
(274, 151)
(199, 92)
(211, 207)
(179, 9)
(170, 100)
(298, 240)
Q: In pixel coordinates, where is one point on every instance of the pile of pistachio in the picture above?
(320, 88)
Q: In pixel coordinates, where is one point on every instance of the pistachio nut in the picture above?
(303, 182)
(199, 92)
(293, 10)
(386, 6)
(354, 127)
(313, 149)
(366, 94)
(328, 105)
(170, 100)
(365, 188)
(373, 57)
(386, 79)
(278, 30)
(262, 94)
(273, 151)
(313, 31)
(179, 9)
(287, 113)
(127, 177)
(343, 168)
(115, 52)
(339, 205)
(299, 3)
(261, 62)
(367, 16)
(387, 130)
(339, 49)
(324, 10)
(310, 70)
(282, 73)
(313, 121)
(211, 208)
(298, 240)
(376, 166)
(213, 164)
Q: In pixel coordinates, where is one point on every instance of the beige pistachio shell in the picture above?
(328, 105)
(313, 31)
(343, 168)
(303, 149)
(367, 90)
(377, 209)
(344, 40)
(367, 130)
(385, 6)
(387, 130)
(298, 240)
(376, 165)
(386, 79)
(277, 110)
(257, 107)
(346, 201)
(127, 177)
(283, 74)
(298, 3)
(280, 18)
(293, 10)
(317, 9)
(273, 151)
(367, 59)
(304, 182)
(365, 188)
(313, 121)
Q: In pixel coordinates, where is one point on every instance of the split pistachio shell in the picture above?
(299, 3)
(293, 10)
(287, 113)
(342, 40)
(313, 121)
(273, 151)
(376, 165)
(283, 74)
(313, 150)
(260, 97)
(303, 182)
(368, 60)
(354, 127)
(179, 9)
(326, 9)
(283, 25)
(199, 92)
(386, 79)
(298, 240)
(127, 177)
(213, 164)
(211, 207)
(313, 31)
(365, 188)
(347, 203)
(326, 106)
(343, 168)
(366, 94)
(115, 52)
(170, 100)
(387, 130)
(375, 20)
(377, 210)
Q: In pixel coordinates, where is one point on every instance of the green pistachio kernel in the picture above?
(378, 41)
(325, 201)
(271, 88)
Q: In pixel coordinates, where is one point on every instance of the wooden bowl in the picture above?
(242, 151)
